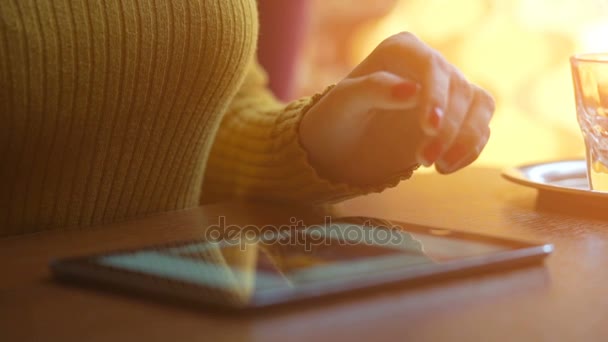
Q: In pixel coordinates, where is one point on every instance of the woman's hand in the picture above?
(403, 105)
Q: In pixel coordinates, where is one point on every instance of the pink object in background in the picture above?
(283, 28)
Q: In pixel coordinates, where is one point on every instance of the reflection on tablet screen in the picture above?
(241, 269)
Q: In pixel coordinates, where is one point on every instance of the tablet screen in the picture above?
(273, 265)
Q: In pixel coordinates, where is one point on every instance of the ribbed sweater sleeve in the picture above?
(257, 152)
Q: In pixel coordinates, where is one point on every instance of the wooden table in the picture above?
(566, 299)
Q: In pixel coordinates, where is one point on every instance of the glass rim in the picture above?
(591, 57)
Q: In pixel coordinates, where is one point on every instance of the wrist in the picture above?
(317, 142)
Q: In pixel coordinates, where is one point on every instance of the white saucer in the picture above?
(567, 176)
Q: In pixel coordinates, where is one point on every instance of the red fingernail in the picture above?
(405, 90)
(433, 121)
(435, 118)
(431, 152)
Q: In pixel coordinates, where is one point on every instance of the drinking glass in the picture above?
(590, 76)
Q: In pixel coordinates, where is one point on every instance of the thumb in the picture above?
(379, 90)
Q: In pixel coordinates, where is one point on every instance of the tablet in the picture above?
(255, 267)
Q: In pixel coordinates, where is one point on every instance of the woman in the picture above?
(117, 109)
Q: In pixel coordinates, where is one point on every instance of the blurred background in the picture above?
(517, 49)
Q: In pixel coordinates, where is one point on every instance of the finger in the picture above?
(461, 97)
(407, 56)
(447, 127)
(473, 154)
(436, 95)
(464, 151)
(473, 136)
(379, 90)
(403, 54)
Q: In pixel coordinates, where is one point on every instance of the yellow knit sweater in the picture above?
(110, 109)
